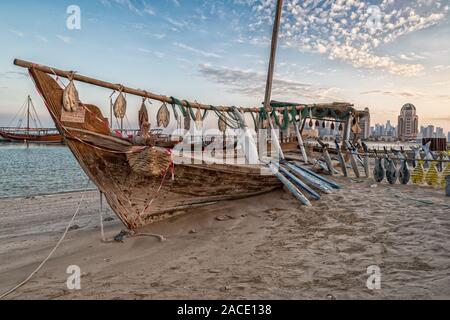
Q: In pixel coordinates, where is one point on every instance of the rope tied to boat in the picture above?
(226, 118)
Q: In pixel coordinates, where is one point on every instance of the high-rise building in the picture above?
(379, 130)
(440, 133)
(429, 132)
(390, 129)
(408, 123)
(364, 123)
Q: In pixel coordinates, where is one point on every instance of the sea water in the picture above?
(39, 169)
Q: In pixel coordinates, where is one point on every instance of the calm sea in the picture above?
(35, 170)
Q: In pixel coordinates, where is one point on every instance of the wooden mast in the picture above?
(28, 115)
(273, 52)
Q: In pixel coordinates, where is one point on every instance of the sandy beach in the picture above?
(266, 247)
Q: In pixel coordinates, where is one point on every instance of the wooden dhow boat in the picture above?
(30, 134)
(41, 136)
(148, 182)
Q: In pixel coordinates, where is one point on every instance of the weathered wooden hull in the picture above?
(140, 199)
(32, 138)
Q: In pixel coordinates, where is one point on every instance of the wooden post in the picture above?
(273, 52)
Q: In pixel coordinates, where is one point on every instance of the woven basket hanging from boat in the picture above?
(163, 116)
(151, 162)
(70, 98)
(120, 106)
(432, 176)
(144, 125)
(418, 174)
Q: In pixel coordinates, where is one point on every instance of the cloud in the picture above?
(158, 54)
(141, 9)
(352, 31)
(176, 23)
(18, 33)
(252, 84)
(41, 38)
(441, 68)
(205, 54)
(415, 94)
(64, 39)
(404, 94)
(13, 75)
(412, 56)
(159, 35)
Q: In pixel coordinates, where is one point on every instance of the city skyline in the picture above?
(217, 51)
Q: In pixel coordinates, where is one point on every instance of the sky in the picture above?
(378, 54)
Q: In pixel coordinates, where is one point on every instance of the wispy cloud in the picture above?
(251, 83)
(157, 54)
(65, 39)
(441, 68)
(140, 9)
(41, 38)
(13, 75)
(411, 94)
(176, 23)
(412, 56)
(18, 33)
(205, 54)
(404, 94)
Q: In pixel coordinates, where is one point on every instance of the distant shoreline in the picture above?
(48, 194)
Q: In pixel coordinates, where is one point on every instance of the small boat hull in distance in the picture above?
(32, 138)
(141, 183)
